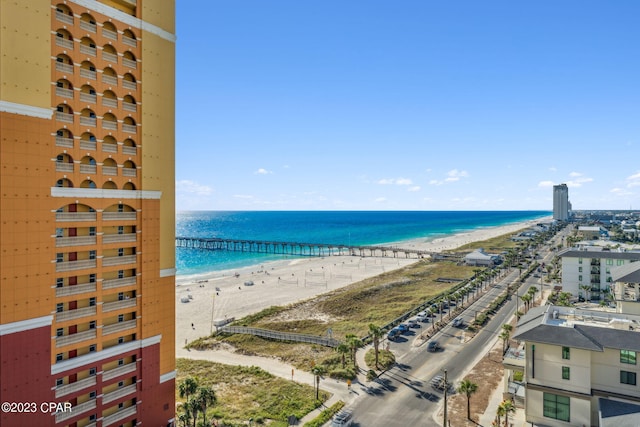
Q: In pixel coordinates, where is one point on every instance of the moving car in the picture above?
(433, 346)
(343, 418)
(458, 322)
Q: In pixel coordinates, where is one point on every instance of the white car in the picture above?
(343, 418)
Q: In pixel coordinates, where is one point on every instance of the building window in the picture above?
(59, 282)
(120, 274)
(59, 257)
(60, 308)
(120, 340)
(120, 384)
(92, 395)
(92, 301)
(628, 356)
(92, 278)
(579, 260)
(556, 407)
(92, 324)
(120, 317)
(59, 357)
(120, 362)
(92, 371)
(59, 332)
(620, 262)
(627, 377)
(609, 262)
(59, 382)
(579, 269)
(92, 254)
(92, 348)
(120, 405)
(92, 231)
(580, 278)
(92, 417)
(565, 373)
(566, 353)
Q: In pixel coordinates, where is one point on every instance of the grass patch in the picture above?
(386, 359)
(325, 415)
(249, 392)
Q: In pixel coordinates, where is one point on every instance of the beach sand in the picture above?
(223, 294)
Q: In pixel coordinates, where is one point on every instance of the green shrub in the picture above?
(325, 415)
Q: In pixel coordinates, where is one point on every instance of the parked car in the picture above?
(393, 334)
(413, 323)
(422, 318)
(433, 346)
(403, 327)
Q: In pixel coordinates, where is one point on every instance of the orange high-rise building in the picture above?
(87, 222)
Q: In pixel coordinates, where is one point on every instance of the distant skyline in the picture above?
(413, 105)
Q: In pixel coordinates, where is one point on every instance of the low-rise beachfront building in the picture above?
(580, 367)
(588, 232)
(480, 258)
(626, 288)
(587, 270)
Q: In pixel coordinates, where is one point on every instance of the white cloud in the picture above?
(575, 174)
(452, 176)
(633, 180)
(414, 188)
(546, 184)
(579, 181)
(553, 169)
(186, 186)
(380, 200)
(396, 181)
(262, 171)
(620, 192)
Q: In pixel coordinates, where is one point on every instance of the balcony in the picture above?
(88, 145)
(110, 57)
(64, 117)
(129, 41)
(119, 216)
(109, 34)
(75, 290)
(126, 149)
(75, 241)
(75, 265)
(75, 338)
(88, 26)
(110, 80)
(119, 238)
(119, 327)
(129, 85)
(117, 283)
(118, 260)
(129, 63)
(76, 216)
(64, 92)
(110, 170)
(131, 172)
(64, 68)
(110, 102)
(67, 44)
(63, 17)
(89, 169)
(127, 106)
(88, 97)
(63, 390)
(120, 370)
(88, 74)
(109, 125)
(88, 121)
(129, 128)
(76, 410)
(64, 167)
(63, 316)
(109, 148)
(117, 305)
(118, 416)
(88, 50)
(118, 393)
(61, 141)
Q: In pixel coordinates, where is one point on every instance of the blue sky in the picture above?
(407, 105)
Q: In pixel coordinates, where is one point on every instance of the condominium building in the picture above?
(580, 367)
(587, 270)
(561, 206)
(87, 215)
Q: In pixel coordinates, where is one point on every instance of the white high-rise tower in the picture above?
(561, 204)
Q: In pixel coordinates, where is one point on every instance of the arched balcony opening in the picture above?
(88, 94)
(109, 144)
(119, 212)
(129, 38)
(110, 54)
(88, 141)
(109, 185)
(75, 212)
(129, 103)
(88, 46)
(109, 99)
(64, 14)
(88, 23)
(129, 186)
(88, 165)
(64, 163)
(129, 125)
(64, 88)
(109, 121)
(64, 64)
(109, 76)
(109, 167)
(64, 138)
(64, 39)
(129, 146)
(129, 60)
(64, 113)
(64, 182)
(87, 183)
(129, 169)
(88, 117)
(109, 30)
(129, 81)
(88, 70)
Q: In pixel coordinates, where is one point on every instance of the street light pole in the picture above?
(446, 386)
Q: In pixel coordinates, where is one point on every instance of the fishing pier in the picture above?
(296, 248)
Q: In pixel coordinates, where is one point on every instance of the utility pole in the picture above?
(446, 387)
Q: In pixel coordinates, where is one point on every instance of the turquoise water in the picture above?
(334, 227)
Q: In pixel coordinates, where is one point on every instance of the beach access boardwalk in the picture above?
(298, 248)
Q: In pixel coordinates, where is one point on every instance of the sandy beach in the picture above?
(223, 294)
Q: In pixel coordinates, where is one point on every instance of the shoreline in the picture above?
(223, 294)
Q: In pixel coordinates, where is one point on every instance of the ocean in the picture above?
(331, 227)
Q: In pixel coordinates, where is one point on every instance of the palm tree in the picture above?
(533, 291)
(354, 343)
(317, 371)
(204, 398)
(505, 335)
(500, 412)
(526, 299)
(187, 388)
(508, 408)
(468, 388)
(587, 289)
(376, 333)
(344, 349)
